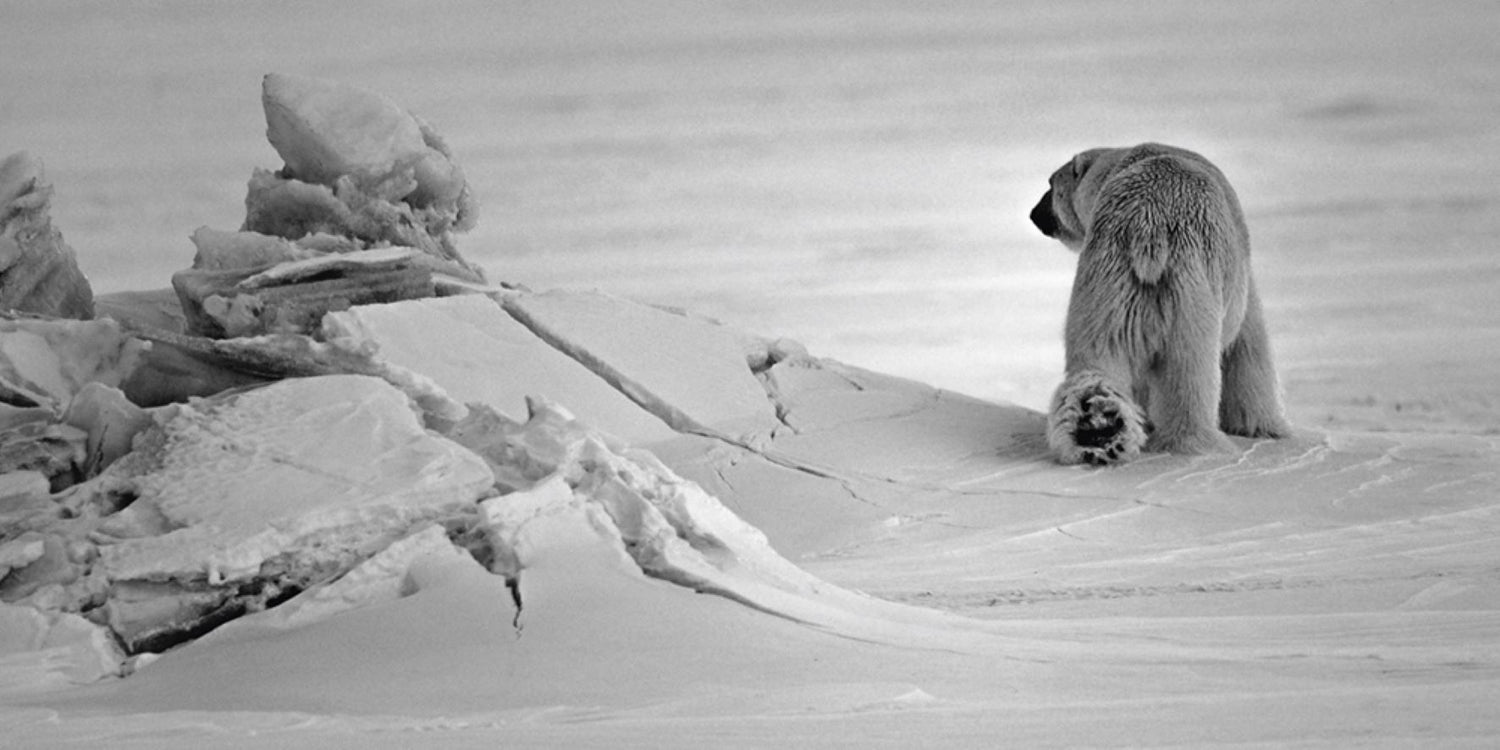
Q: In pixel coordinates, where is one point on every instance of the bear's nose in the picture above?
(1043, 217)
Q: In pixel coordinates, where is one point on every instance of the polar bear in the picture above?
(1166, 344)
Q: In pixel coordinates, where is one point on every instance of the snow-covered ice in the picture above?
(1343, 581)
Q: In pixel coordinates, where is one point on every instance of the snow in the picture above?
(856, 179)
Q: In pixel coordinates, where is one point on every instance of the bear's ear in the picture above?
(1081, 162)
(1044, 217)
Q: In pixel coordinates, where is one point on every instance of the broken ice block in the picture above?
(222, 251)
(110, 420)
(364, 211)
(20, 552)
(44, 559)
(46, 362)
(237, 503)
(293, 296)
(379, 578)
(23, 495)
(325, 130)
(38, 271)
(53, 649)
(56, 451)
(317, 467)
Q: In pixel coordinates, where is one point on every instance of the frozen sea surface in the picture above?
(856, 175)
(852, 175)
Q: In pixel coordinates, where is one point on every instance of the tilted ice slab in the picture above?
(693, 374)
(633, 371)
(476, 352)
(318, 466)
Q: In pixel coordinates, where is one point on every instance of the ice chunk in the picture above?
(478, 353)
(222, 251)
(199, 364)
(293, 296)
(691, 373)
(21, 552)
(64, 368)
(297, 270)
(358, 165)
(152, 616)
(23, 494)
(382, 577)
(156, 308)
(38, 271)
(38, 649)
(316, 468)
(38, 560)
(363, 212)
(46, 362)
(110, 420)
(325, 130)
(287, 207)
(55, 450)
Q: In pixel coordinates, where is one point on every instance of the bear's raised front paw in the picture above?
(1095, 424)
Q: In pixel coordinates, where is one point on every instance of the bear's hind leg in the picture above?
(1250, 404)
(1185, 387)
(1092, 421)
